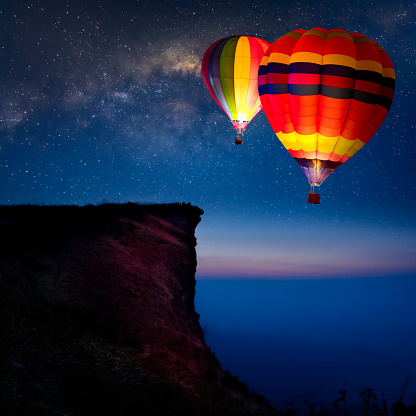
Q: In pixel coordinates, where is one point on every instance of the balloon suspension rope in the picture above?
(317, 186)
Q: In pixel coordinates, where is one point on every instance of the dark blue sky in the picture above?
(104, 101)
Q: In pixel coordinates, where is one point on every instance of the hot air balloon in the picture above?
(229, 69)
(325, 93)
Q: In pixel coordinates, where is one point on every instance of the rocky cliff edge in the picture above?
(97, 315)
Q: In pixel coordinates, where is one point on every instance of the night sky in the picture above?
(103, 101)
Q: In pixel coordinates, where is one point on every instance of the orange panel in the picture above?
(322, 156)
(306, 130)
(309, 155)
(344, 158)
(309, 100)
(358, 116)
(334, 103)
(328, 132)
(333, 112)
(332, 123)
(305, 121)
(334, 157)
(305, 111)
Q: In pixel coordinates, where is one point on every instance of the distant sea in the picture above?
(288, 338)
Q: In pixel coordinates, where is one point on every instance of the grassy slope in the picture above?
(97, 315)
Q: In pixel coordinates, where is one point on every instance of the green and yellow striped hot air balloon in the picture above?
(229, 69)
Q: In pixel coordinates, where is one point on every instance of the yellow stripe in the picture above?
(369, 66)
(358, 144)
(343, 145)
(245, 90)
(293, 146)
(241, 76)
(238, 87)
(339, 34)
(326, 144)
(337, 59)
(315, 33)
(308, 147)
(284, 143)
(325, 148)
(288, 137)
(264, 60)
(288, 140)
(279, 57)
(306, 57)
(307, 138)
(307, 142)
(389, 72)
(326, 140)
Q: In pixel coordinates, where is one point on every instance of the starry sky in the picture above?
(104, 102)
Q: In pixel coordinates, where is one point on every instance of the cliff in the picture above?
(98, 318)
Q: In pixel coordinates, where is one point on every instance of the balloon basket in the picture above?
(240, 134)
(315, 195)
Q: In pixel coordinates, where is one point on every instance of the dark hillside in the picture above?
(97, 315)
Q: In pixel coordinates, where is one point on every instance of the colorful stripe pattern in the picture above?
(325, 93)
(229, 69)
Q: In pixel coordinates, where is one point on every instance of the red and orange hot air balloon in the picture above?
(230, 69)
(325, 93)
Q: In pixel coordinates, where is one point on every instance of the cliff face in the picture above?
(97, 315)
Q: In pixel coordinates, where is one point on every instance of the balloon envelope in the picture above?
(325, 93)
(230, 70)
